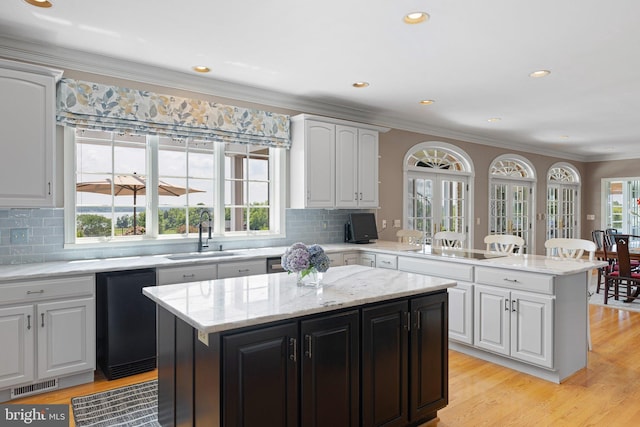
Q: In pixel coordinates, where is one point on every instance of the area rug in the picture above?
(134, 405)
(598, 299)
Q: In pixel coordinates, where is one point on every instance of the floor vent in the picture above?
(34, 388)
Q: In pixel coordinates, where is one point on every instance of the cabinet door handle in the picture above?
(41, 291)
(42, 325)
(28, 321)
(418, 319)
(293, 343)
(514, 305)
(356, 193)
(360, 196)
(407, 321)
(188, 276)
(307, 339)
(506, 305)
(49, 183)
(308, 195)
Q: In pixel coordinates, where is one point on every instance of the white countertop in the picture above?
(532, 263)
(219, 305)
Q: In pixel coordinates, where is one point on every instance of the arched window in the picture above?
(437, 183)
(563, 201)
(511, 197)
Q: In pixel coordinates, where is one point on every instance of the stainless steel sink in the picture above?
(199, 255)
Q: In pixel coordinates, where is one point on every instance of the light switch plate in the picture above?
(19, 236)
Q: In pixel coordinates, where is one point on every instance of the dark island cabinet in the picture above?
(330, 371)
(382, 364)
(260, 376)
(404, 361)
(259, 379)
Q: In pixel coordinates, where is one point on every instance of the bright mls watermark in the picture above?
(34, 415)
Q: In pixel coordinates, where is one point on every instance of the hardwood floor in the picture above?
(483, 394)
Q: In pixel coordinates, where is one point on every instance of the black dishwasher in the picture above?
(125, 323)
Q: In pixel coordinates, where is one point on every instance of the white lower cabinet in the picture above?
(461, 312)
(17, 338)
(47, 331)
(515, 324)
(241, 268)
(191, 273)
(66, 337)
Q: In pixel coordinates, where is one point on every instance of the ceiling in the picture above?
(473, 58)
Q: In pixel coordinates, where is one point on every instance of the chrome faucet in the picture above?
(205, 244)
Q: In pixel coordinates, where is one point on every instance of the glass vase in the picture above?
(312, 279)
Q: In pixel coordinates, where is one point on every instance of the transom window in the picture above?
(130, 187)
(437, 194)
(563, 201)
(511, 197)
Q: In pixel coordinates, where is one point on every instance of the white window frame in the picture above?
(277, 192)
(467, 171)
(530, 180)
(604, 214)
(574, 185)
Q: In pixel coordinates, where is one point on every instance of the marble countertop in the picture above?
(224, 304)
(533, 263)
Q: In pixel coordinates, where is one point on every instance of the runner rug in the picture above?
(133, 405)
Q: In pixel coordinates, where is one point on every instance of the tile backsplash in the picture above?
(37, 235)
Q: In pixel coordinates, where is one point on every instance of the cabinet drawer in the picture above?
(386, 261)
(516, 280)
(245, 268)
(36, 290)
(335, 259)
(448, 270)
(193, 273)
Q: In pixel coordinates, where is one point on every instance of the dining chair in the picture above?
(410, 236)
(448, 239)
(504, 243)
(624, 275)
(574, 249)
(598, 238)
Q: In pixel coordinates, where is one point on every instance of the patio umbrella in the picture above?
(132, 185)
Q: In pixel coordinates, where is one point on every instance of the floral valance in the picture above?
(112, 108)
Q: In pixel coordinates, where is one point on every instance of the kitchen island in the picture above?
(367, 347)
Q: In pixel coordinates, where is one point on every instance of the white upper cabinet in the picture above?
(333, 163)
(27, 135)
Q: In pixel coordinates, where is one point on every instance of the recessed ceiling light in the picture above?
(415, 17)
(494, 119)
(427, 101)
(201, 69)
(564, 136)
(360, 84)
(539, 73)
(39, 3)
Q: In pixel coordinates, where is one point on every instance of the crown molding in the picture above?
(54, 56)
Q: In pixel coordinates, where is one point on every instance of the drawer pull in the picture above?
(386, 262)
(188, 276)
(28, 321)
(41, 291)
(511, 280)
(243, 270)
